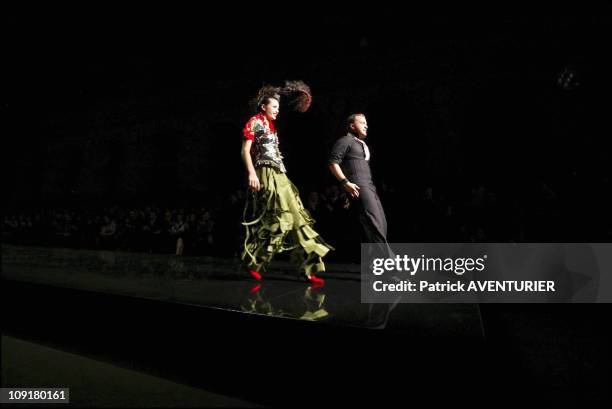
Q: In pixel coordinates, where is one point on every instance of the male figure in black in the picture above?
(349, 163)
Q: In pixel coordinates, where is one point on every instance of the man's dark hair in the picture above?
(351, 119)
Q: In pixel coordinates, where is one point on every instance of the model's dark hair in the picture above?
(351, 120)
(263, 97)
(297, 93)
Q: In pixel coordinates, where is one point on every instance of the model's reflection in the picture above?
(309, 306)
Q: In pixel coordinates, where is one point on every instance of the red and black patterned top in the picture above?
(265, 150)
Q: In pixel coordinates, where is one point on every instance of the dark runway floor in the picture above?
(287, 344)
(220, 284)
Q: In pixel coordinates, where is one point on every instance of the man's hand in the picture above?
(254, 182)
(352, 189)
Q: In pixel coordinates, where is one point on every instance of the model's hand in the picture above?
(352, 189)
(254, 183)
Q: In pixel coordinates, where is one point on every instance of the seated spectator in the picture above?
(108, 233)
(205, 228)
(178, 231)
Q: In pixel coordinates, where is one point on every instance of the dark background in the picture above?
(481, 128)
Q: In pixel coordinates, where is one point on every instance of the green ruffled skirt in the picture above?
(276, 221)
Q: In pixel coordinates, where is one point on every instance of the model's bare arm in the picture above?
(245, 152)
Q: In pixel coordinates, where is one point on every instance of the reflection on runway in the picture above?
(217, 284)
(313, 300)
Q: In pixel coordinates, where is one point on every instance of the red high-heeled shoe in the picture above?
(254, 274)
(316, 281)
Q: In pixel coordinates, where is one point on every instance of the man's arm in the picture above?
(350, 188)
(336, 157)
